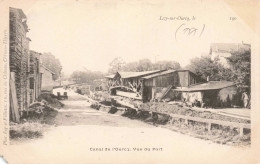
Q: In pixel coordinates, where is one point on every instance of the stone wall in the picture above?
(19, 48)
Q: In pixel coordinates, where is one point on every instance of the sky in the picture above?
(89, 34)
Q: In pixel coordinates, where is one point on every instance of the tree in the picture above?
(116, 65)
(239, 71)
(130, 67)
(142, 65)
(86, 76)
(52, 63)
(205, 67)
(160, 65)
(240, 63)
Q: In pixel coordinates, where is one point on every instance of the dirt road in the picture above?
(82, 135)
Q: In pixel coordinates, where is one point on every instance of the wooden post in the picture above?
(209, 127)
(241, 132)
(186, 122)
(13, 99)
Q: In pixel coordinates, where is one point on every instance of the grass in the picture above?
(27, 130)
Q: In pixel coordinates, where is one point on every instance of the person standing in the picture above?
(245, 99)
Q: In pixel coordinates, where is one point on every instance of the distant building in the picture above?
(47, 78)
(221, 51)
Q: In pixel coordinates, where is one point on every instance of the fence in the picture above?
(241, 126)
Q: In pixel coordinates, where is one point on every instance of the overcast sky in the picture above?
(87, 34)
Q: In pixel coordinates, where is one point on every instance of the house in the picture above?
(19, 57)
(221, 51)
(211, 94)
(150, 85)
(160, 85)
(47, 78)
(35, 76)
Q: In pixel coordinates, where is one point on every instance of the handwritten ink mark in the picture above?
(178, 30)
(202, 30)
(188, 31)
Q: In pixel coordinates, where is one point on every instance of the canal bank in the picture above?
(200, 124)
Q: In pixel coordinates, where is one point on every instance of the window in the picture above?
(31, 83)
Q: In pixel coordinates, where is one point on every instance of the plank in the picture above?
(14, 103)
(128, 94)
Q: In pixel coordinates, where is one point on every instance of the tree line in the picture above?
(118, 64)
(239, 70)
(52, 63)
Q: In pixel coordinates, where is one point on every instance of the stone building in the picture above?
(28, 77)
(19, 55)
(47, 78)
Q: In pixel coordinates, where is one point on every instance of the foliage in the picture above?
(160, 65)
(52, 63)
(241, 67)
(116, 65)
(205, 67)
(131, 67)
(239, 70)
(86, 76)
(142, 65)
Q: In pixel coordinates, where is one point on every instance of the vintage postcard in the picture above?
(142, 81)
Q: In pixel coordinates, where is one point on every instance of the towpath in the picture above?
(83, 134)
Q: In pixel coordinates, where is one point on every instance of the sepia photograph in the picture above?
(130, 81)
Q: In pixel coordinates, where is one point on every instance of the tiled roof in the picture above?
(211, 85)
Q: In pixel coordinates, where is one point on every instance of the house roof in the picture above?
(164, 72)
(47, 69)
(228, 47)
(158, 74)
(110, 76)
(211, 85)
(125, 75)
